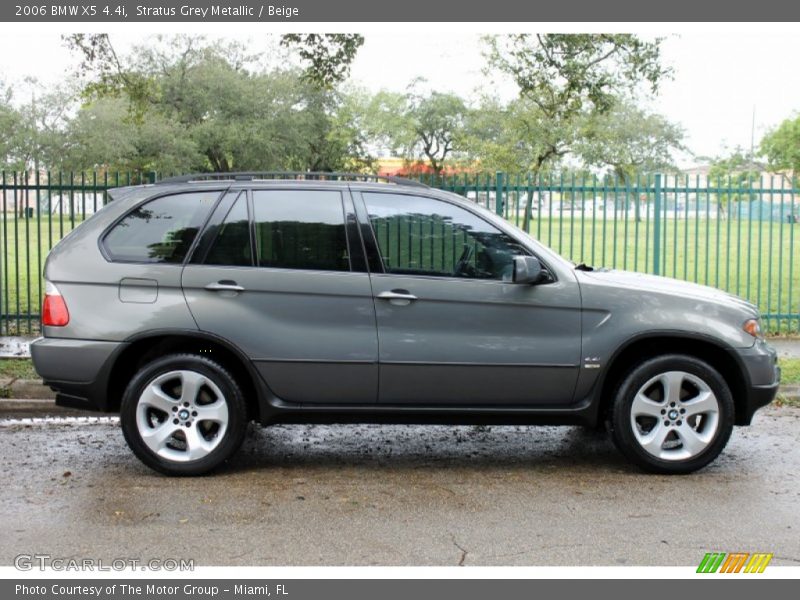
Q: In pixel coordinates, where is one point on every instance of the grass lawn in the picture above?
(17, 368)
(790, 370)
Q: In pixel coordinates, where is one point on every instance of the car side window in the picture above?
(232, 245)
(159, 231)
(425, 236)
(300, 229)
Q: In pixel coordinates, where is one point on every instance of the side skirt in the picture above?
(275, 411)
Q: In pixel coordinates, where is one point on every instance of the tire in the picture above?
(679, 433)
(183, 414)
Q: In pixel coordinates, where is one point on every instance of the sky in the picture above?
(719, 77)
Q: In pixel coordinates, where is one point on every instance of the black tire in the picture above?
(622, 428)
(225, 444)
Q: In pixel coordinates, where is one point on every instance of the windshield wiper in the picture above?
(583, 267)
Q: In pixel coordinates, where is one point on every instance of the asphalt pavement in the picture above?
(398, 495)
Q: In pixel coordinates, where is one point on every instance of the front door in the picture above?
(452, 327)
(274, 274)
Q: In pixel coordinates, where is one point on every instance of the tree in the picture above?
(563, 73)
(235, 115)
(781, 146)
(11, 125)
(437, 120)
(629, 140)
(736, 170)
(328, 56)
(103, 136)
(32, 127)
(418, 125)
(335, 134)
(517, 137)
(564, 78)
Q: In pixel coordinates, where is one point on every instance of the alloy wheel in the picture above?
(675, 416)
(182, 415)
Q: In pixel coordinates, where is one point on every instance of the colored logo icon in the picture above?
(734, 562)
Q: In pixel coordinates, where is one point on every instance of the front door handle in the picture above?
(397, 295)
(225, 286)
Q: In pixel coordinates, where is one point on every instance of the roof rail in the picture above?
(290, 175)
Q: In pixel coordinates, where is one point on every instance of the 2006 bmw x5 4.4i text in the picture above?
(201, 303)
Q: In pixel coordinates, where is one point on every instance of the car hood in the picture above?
(666, 285)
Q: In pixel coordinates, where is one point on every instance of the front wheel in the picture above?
(183, 415)
(672, 414)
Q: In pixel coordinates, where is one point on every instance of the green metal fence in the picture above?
(733, 235)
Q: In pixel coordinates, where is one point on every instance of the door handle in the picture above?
(397, 295)
(225, 286)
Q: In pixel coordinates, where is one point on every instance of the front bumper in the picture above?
(77, 370)
(763, 374)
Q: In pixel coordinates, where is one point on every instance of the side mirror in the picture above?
(527, 269)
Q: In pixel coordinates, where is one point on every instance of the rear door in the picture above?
(453, 328)
(280, 272)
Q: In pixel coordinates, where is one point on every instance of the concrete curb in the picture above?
(14, 408)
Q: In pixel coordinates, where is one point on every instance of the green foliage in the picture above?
(790, 370)
(736, 169)
(436, 120)
(32, 127)
(328, 56)
(418, 125)
(192, 105)
(565, 74)
(182, 103)
(781, 146)
(104, 136)
(565, 79)
(11, 122)
(17, 368)
(517, 137)
(629, 140)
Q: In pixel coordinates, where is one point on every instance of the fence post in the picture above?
(498, 198)
(657, 225)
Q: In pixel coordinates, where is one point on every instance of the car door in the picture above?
(281, 273)
(452, 327)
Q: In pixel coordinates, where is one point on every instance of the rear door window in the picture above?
(160, 231)
(300, 229)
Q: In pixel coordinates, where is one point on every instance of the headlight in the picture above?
(753, 327)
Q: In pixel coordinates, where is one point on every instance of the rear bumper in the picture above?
(764, 376)
(77, 370)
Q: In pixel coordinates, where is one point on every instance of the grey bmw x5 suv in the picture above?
(199, 304)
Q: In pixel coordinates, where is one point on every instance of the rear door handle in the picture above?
(225, 286)
(397, 295)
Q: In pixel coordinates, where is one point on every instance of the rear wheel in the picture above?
(183, 415)
(672, 414)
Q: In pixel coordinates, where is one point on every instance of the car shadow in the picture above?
(426, 447)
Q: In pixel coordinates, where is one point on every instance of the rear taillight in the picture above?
(54, 310)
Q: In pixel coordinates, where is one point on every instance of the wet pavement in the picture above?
(399, 495)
